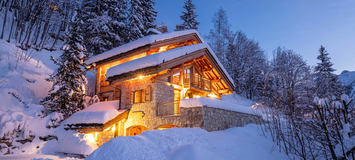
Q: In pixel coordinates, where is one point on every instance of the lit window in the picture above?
(138, 96)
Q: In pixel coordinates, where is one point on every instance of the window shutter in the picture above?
(132, 97)
(147, 94)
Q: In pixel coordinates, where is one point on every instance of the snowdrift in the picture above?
(190, 143)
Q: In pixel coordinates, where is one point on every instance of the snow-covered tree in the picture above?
(327, 83)
(218, 35)
(136, 25)
(67, 93)
(245, 62)
(104, 24)
(149, 14)
(290, 74)
(189, 17)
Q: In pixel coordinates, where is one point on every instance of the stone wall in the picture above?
(105, 136)
(219, 119)
(145, 114)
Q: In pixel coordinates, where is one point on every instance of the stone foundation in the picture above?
(219, 119)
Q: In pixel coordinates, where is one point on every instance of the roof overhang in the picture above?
(142, 45)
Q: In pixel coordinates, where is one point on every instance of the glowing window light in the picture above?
(90, 137)
(212, 96)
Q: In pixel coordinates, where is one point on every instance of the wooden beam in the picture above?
(116, 119)
(206, 69)
(98, 79)
(223, 90)
(215, 80)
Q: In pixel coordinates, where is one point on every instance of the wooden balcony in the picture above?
(198, 82)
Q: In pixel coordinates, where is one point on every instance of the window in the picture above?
(138, 96)
(141, 96)
(176, 78)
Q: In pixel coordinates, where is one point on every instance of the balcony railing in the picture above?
(168, 108)
(198, 82)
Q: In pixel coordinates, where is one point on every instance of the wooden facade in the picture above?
(196, 74)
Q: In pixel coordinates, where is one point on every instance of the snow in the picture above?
(35, 157)
(20, 118)
(70, 142)
(221, 104)
(345, 98)
(98, 113)
(138, 43)
(240, 143)
(154, 31)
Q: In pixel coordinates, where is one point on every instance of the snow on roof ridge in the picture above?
(140, 42)
(156, 59)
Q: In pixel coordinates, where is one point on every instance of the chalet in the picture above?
(157, 82)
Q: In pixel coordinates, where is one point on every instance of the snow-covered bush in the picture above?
(326, 130)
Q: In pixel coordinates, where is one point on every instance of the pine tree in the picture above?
(137, 27)
(67, 93)
(326, 82)
(218, 35)
(105, 24)
(188, 17)
(149, 15)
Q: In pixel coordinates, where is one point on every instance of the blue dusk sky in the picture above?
(301, 25)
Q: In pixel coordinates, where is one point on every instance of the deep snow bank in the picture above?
(243, 143)
(22, 86)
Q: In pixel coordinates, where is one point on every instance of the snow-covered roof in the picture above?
(138, 43)
(98, 113)
(155, 59)
(221, 104)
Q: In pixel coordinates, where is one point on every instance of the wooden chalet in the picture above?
(150, 76)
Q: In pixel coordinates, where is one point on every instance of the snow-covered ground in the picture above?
(36, 157)
(23, 75)
(242, 143)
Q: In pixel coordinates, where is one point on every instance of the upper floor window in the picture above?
(141, 96)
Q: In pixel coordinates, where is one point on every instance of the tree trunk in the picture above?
(7, 4)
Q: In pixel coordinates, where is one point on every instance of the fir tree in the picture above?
(149, 15)
(219, 34)
(188, 17)
(137, 27)
(105, 24)
(67, 93)
(326, 81)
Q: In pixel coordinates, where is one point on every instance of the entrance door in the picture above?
(135, 130)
